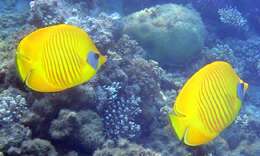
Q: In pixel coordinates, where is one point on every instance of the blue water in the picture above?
(152, 47)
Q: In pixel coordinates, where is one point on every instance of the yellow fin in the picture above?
(179, 124)
(32, 81)
(28, 52)
(194, 137)
(27, 64)
(189, 135)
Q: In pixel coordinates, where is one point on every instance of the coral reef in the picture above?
(163, 139)
(242, 54)
(45, 12)
(138, 99)
(129, 99)
(247, 51)
(222, 51)
(6, 55)
(37, 147)
(13, 107)
(65, 125)
(233, 17)
(103, 29)
(49, 12)
(13, 135)
(172, 34)
(120, 113)
(123, 148)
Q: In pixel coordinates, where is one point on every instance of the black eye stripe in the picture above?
(92, 59)
(96, 56)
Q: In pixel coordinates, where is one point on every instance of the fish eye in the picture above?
(96, 55)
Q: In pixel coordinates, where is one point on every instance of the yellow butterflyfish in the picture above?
(57, 57)
(208, 103)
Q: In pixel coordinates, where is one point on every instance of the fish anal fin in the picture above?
(195, 137)
(35, 82)
(28, 77)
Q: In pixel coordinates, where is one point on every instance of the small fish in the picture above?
(208, 103)
(57, 57)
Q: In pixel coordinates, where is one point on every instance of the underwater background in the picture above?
(153, 47)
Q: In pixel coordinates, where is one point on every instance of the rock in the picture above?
(13, 136)
(124, 148)
(38, 147)
(172, 34)
(82, 129)
(64, 125)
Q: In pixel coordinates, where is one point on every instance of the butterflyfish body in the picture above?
(208, 103)
(57, 57)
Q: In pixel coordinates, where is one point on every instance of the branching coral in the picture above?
(233, 17)
(12, 107)
(45, 12)
(248, 53)
(120, 113)
(224, 52)
(102, 29)
(125, 103)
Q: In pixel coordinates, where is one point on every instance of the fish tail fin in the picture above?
(179, 124)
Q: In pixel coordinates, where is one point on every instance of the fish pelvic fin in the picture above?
(179, 123)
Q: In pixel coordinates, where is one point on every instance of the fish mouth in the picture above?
(246, 86)
(103, 59)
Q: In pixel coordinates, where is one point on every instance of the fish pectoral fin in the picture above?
(195, 137)
(23, 57)
(24, 65)
(178, 113)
